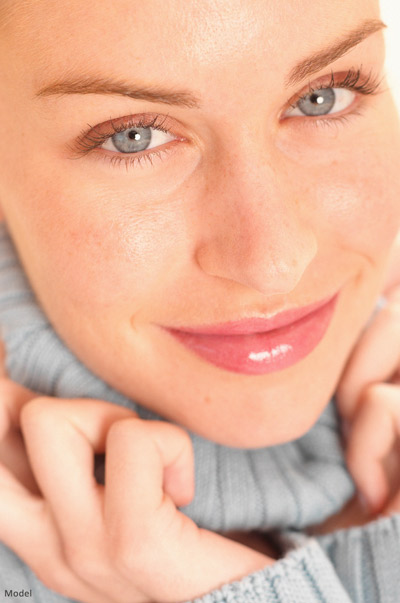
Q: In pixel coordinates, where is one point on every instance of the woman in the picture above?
(206, 193)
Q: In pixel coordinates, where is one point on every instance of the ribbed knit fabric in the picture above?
(291, 485)
(287, 486)
(303, 576)
(367, 560)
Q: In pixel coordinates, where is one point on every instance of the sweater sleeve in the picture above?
(360, 564)
(304, 575)
(367, 559)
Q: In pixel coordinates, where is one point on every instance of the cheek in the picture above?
(100, 254)
(351, 177)
(115, 263)
(110, 262)
(362, 210)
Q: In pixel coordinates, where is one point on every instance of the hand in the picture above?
(122, 542)
(13, 455)
(369, 402)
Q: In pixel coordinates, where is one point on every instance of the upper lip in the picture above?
(255, 324)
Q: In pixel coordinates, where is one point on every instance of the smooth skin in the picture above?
(250, 212)
(369, 402)
(242, 217)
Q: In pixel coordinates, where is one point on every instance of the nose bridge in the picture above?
(253, 229)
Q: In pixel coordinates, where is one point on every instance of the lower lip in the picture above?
(262, 353)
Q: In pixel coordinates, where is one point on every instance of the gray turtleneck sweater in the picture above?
(286, 487)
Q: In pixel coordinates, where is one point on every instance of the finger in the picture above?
(13, 456)
(143, 524)
(373, 433)
(12, 448)
(66, 434)
(62, 437)
(27, 528)
(3, 372)
(375, 358)
(393, 506)
(13, 398)
(156, 455)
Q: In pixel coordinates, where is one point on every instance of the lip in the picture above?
(256, 324)
(258, 346)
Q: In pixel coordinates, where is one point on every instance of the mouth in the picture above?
(258, 346)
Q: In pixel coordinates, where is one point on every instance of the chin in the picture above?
(251, 432)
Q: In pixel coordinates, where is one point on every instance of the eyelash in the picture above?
(91, 139)
(355, 80)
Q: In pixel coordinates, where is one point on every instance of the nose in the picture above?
(253, 232)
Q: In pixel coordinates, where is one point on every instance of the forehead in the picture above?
(155, 38)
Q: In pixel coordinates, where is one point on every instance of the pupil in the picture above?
(132, 140)
(318, 103)
(134, 135)
(317, 99)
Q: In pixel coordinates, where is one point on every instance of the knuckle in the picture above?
(122, 555)
(131, 553)
(6, 388)
(170, 437)
(129, 432)
(132, 561)
(125, 560)
(54, 577)
(35, 409)
(37, 414)
(373, 395)
(185, 437)
(123, 428)
(73, 557)
(177, 431)
(83, 563)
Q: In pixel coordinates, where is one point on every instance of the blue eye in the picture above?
(322, 102)
(136, 139)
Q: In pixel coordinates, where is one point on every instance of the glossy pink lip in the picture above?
(255, 325)
(257, 346)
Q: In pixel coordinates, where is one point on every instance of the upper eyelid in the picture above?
(93, 134)
(333, 79)
(337, 80)
(312, 85)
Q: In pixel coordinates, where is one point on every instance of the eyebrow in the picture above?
(101, 85)
(183, 98)
(321, 59)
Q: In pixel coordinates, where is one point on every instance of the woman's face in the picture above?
(252, 202)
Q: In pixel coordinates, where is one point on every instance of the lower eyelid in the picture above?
(141, 158)
(318, 125)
